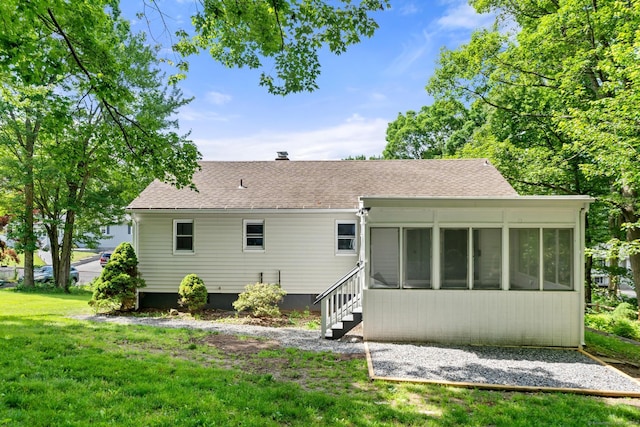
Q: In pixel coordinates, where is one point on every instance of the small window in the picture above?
(128, 228)
(346, 237)
(254, 235)
(183, 236)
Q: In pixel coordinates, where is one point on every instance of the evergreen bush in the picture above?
(260, 299)
(193, 293)
(116, 287)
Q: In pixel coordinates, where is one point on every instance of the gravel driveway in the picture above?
(512, 366)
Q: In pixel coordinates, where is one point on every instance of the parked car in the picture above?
(45, 274)
(104, 258)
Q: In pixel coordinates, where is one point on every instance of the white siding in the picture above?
(473, 317)
(299, 246)
(480, 316)
(117, 234)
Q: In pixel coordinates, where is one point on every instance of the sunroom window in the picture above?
(385, 255)
(417, 258)
(558, 259)
(487, 258)
(454, 245)
(524, 258)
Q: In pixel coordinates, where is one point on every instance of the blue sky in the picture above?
(361, 91)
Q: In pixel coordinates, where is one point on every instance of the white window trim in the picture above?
(345, 252)
(193, 237)
(253, 249)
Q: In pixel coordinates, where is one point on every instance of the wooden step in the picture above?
(341, 328)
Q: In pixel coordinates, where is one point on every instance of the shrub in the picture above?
(616, 322)
(116, 287)
(601, 321)
(193, 293)
(625, 328)
(260, 299)
(625, 311)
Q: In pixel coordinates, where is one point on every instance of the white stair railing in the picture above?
(341, 299)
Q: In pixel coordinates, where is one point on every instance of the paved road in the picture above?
(626, 290)
(89, 271)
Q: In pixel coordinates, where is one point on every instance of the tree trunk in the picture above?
(634, 234)
(614, 276)
(54, 247)
(29, 190)
(63, 280)
(588, 280)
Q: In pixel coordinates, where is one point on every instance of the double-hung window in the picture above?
(345, 237)
(253, 234)
(183, 232)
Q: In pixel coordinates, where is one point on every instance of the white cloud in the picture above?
(409, 9)
(354, 136)
(377, 96)
(217, 98)
(462, 16)
(411, 52)
(190, 114)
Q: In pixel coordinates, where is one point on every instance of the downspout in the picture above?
(363, 213)
(582, 238)
(134, 238)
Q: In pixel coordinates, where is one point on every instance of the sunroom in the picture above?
(474, 270)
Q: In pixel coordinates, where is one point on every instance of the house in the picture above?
(114, 234)
(422, 250)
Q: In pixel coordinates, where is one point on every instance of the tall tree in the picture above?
(436, 131)
(97, 112)
(102, 114)
(560, 89)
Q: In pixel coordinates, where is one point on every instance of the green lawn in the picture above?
(80, 255)
(38, 262)
(59, 371)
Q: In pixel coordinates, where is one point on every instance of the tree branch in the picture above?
(113, 112)
(544, 185)
(275, 10)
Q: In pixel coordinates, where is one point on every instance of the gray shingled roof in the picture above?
(324, 184)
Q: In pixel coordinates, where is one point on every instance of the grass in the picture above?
(80, 255)
(38, 262)
(59, 371)
(612, 347)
